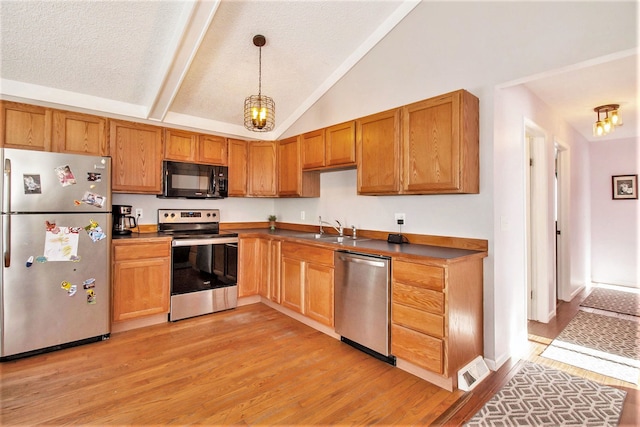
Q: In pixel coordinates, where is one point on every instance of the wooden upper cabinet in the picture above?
(136, 151)
(187, 146)
(79, 133)
(238, 158)
(261, 179)
(25, 126)
(440, 145)
(330, 148)
(212, 149)
(292, 182)
(340, 141)
(378, 147)
(313, 149)
(180, 145)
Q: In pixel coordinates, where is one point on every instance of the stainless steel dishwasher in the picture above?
(362, 302)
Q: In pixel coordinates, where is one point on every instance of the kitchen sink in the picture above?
(329, 238)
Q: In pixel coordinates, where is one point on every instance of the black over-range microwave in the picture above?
(193, 181)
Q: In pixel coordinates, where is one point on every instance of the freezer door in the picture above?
(51, 303)
(35, 181)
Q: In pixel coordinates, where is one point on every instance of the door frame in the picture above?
(563, 199)
(540, 227)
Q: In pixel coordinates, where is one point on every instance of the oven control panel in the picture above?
(185, 216)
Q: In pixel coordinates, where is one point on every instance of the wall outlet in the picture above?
(138, 213)
(400, 218)
(302, 215)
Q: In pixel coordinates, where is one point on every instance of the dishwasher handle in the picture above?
(369, 262)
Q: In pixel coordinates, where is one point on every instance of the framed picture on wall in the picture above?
(624, 187)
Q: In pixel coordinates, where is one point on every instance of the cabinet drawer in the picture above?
(307, 253)
(418, 320)
(417, 348)
(141, 251)
(420, 298)
(424, 276)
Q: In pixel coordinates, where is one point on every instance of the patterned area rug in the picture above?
(614, 301)
(541, 396)
(603, 344)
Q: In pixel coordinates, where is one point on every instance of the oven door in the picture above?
(203, 276)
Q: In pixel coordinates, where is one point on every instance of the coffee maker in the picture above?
(123, 222)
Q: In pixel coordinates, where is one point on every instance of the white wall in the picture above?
(514, 106)
(232, 209)
(615, 255)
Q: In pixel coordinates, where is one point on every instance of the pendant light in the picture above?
(259, 110)
(611, 120)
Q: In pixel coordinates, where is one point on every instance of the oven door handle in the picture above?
(202, 242)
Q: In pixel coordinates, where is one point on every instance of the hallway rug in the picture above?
(607, 345)
(614, 301)
(542, 396)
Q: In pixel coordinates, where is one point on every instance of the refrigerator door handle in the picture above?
(6, 232)
(6, 191)
(6, 208)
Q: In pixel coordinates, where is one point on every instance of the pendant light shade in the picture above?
(259, 110)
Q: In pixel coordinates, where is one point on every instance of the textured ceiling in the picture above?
(190, 63)
(185, 62)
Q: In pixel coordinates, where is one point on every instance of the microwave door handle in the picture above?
(212, 181)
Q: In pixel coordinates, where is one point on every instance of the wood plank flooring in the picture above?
(248, 366)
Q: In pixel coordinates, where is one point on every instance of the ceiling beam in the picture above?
(194, 29)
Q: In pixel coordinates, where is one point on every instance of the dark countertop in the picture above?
(363, 245)
(373, 246)
(135, 236)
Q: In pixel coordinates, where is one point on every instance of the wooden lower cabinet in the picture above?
(249, 262)
(259, 258)
(436, 313)
(141, 278)
(307, 285)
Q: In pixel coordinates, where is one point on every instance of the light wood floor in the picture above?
(248, 366)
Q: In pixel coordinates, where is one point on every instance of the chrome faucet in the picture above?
(339, 228)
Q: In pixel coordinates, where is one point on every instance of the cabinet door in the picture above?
(180, 145)
(263, 263)
(136, 150)
(291, 283)
(249, 266)
(212, 150)
(313, 149)
(25, 126)
(440, 145)
(79, 133)
(141, 288)
(318, 293)
(237, 167)
(289, 173)
(378, 145)
(274, 270)
(340, 143)
(262, 169)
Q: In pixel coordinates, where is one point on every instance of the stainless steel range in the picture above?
(204, 262)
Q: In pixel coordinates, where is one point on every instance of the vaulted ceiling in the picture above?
(191, 63)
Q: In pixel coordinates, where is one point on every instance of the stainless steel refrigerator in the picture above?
(55, 235)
